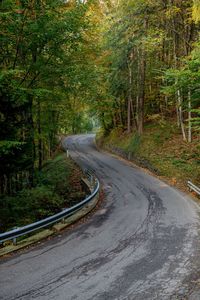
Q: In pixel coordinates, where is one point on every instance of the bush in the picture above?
(134, 144)
(29, 206)
(58, 186)
(56, 174)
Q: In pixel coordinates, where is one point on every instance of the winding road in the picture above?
(142, 243)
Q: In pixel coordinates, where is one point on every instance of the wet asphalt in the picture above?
(142, 243)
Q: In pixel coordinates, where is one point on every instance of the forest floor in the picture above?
(58, 185)
(160, 149)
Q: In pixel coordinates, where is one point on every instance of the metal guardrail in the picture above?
(15, 233)
(193, 187)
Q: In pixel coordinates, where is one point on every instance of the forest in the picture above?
(151, 108)
(47, 68)
(70, 66)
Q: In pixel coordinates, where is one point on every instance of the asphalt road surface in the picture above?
(142, 243)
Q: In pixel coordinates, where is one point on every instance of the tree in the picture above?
(144, 39)
(45, 63)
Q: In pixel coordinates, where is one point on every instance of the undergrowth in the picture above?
(58, 186)
(160, 148)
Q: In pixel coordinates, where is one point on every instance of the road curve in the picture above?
(141, 244)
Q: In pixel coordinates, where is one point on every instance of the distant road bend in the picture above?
(141, 244)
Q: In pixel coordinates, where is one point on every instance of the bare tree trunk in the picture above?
(130, 94)
(120, 116)
(181, 114)
(39, 136)
(189, 118)
(129, 116)
(177, 116)
(141, 94)
(137, 108)
(138, 88)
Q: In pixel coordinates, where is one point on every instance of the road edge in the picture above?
(150, 172)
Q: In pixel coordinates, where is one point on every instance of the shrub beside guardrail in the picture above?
(15, 233)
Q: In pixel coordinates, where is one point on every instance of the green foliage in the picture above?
(53, 191)
(29, 205)
(187, 79)
(134, 144)
(47, 76)
(56, 174)
(8, 147)
(149, 65)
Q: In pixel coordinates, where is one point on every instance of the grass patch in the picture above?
(58, 186)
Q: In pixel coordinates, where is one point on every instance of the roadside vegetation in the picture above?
(160, 149)
(58, 185)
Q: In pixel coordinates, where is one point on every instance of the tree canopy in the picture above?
(48, 52)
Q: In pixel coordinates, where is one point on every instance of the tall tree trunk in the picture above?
(141, 93)
(130, 100)
(31, 142)
(129, 116)
(189, 118)
(181, 114)
(39, 136)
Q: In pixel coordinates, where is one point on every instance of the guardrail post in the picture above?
(63, 219)
(193, 187)
(14, 240)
